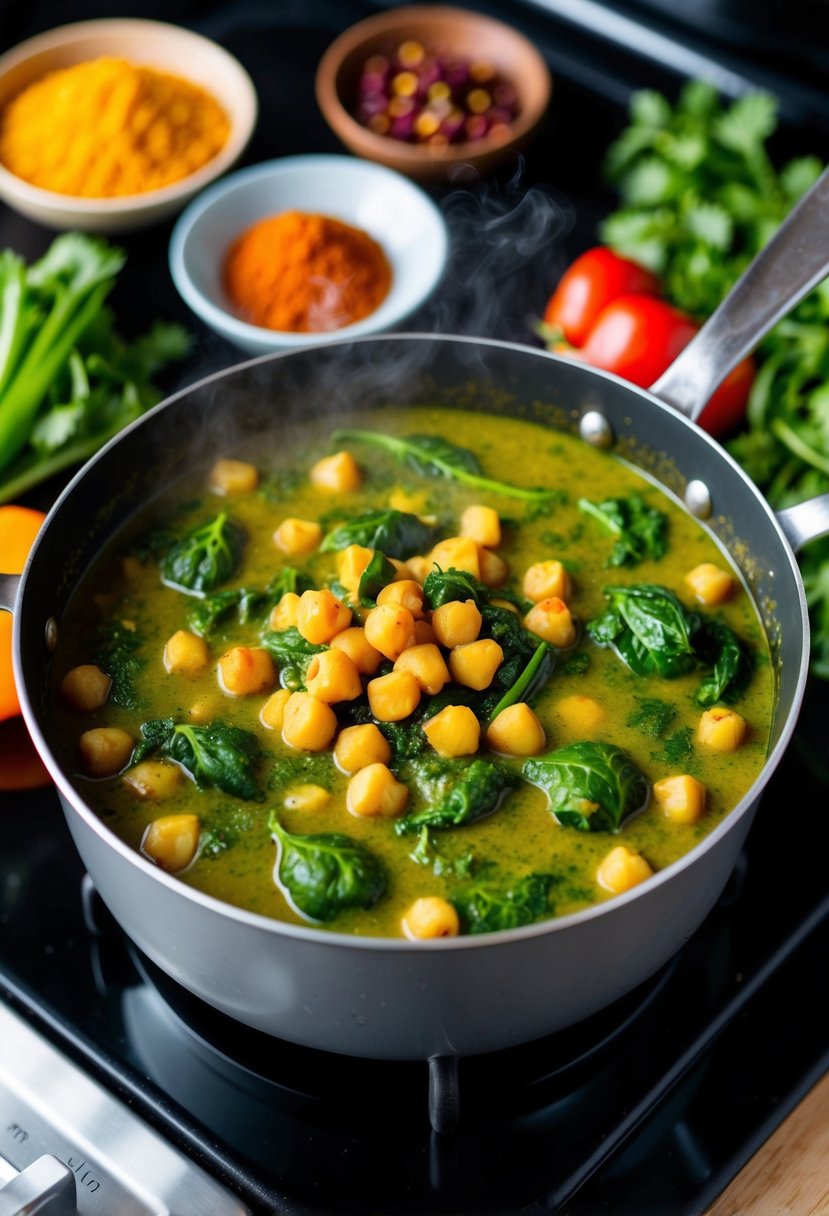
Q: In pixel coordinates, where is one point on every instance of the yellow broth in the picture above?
(522, 836)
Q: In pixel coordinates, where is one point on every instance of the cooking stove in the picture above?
(130, 1095)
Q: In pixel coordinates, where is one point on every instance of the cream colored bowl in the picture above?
(151, 44)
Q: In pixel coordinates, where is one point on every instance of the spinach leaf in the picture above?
(205, 557)
(292, 653)
(487, 907)
(456, 792)
(593, 787)
(641, 531)
(378, 573)
(679, 747)
(731, 659)
(576, 664)
(213, 755)
(648, 628)
(207, 613)
(434, 456)
(225, 830)
(397, 533)
(117, 654)
(428, 853)
(532, 678)
(443, 586)
(325, 874)
(653, 717)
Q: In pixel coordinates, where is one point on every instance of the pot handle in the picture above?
(806, 521)
(794, 261)
(8, 591)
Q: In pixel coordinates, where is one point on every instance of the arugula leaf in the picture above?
(205, 557)
(456, 792)
(325, 874)
(487, 907)
(641, 531)
(648, 628)
(593, 787)
(213, 755)
(396, 533)
(292, 654)
(434, 456)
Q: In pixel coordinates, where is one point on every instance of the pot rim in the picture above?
(71, 797)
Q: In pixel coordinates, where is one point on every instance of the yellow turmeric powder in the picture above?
(305, 273)
(106, 128)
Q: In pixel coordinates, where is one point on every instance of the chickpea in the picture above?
(332, 676)
(351, 563)
(245, 670)
(710, 584)
(359, 746)
(483, 525)
(681, 798)
(545, 579)
(85, 687)
(105, 750)
(393, 697)
(308, 724)
(272, 713)
(581, 714)
(430, 916)
(153, 779)
(307, 798)
(321, 616)
(458, 552)
(284, 614)
(296, 536)
(172, 841)
(474, 664)
(375, 792)
(622, 869)
(427, 665)
(390, 629)
(355, 644)
(722, 729)
(551, 620)
(185, 654)
(456, 623)
(339, 473)
(419, 567)
(403, 593)
(455, 731)
(516, 731)
(233, 477)
(494, 569)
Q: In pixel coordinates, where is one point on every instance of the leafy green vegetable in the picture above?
(648, 628)
(377, 574)
(117, 653)
(489, 906)
(641, 531)
(224, 830)
(428, 853)
(593, 787)
(444, 586)
(653, 717)
(679, 746)
(205, 557)
(292, 654)
(68, 382)
(246, 603)
(532, 678)
(456, 792)
(715, 643)
(396, 533)
(325, 874)
(213, 755)
(434, 456)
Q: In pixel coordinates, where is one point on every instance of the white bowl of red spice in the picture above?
(115, 124)
(292, 251)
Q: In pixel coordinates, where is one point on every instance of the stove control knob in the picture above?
(44, 1188)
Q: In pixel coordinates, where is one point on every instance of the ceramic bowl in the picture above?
(152, 44)
(442, 30)
(386, 205)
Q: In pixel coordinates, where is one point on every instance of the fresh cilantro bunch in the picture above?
(700, 196)
(68, 380)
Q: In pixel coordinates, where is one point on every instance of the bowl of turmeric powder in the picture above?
(115, 124)
(304, 248)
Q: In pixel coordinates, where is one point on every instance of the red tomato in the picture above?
(637, 337)
(725, 410)
(588, 285)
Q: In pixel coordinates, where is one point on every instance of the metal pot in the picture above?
(394, 998)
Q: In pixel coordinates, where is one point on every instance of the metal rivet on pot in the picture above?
(595, 429)
(698, 499)
(51, 635)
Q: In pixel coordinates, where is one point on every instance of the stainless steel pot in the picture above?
(395, 998)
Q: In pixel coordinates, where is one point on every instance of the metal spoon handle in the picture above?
(794, 261)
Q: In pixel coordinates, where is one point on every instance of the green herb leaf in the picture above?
(593, 787)
(326, 874)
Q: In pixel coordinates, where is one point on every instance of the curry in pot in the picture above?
(437, 673)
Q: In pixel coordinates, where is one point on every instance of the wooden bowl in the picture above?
(442, 30)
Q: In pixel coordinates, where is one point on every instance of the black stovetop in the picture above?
(651, 1106)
